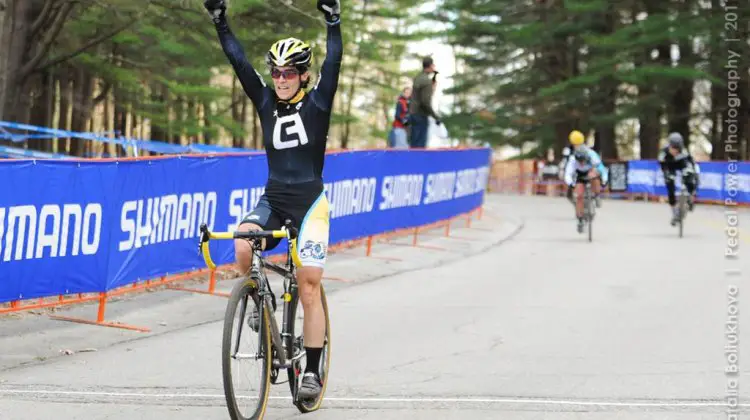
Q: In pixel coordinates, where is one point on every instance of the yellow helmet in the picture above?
(289, 52)
(576, 138)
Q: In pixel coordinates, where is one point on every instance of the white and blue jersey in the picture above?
(574, 168)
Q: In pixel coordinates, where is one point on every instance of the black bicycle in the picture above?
(275, 350)
(589, 207)
(683, 202)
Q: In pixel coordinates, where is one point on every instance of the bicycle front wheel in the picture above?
(246, 355)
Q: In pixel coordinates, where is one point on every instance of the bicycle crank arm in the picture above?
(288, 363)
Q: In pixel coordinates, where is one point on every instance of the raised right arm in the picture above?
(252, 83)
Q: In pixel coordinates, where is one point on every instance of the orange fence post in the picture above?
(416, 233)
(448, 228)
(369, 246)
(102, 307)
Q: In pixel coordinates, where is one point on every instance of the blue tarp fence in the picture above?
(9, 131)
(91, 226)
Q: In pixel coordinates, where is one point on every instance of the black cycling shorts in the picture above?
(311, 221)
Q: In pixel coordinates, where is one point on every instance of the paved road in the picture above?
(533, 323)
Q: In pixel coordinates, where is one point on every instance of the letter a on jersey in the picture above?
(293, 132)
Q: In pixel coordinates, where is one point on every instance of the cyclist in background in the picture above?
(295, 130)
(575, 139)
(586, 166)
(675, 156)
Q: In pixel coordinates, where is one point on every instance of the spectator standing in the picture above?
(398, 138)
(420, 107)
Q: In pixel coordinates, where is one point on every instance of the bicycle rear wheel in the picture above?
(257, 354)
(681, 211)
(589, 212)
(296, 338)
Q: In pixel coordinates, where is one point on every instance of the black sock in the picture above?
(313, 359)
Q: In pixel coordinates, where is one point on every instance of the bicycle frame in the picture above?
(265, 293)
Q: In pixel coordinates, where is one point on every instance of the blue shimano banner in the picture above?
(77, 226)
(55, 227)
(720, 181)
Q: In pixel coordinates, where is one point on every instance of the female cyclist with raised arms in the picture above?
(295, 130)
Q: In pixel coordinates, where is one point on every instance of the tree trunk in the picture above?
(235, 109)
(362, 27)
(82, 105)
(66, 97)
(206, 122)
(257, 141)
(40, 112)
(243, 118)
(650, 113)
(5, 13)
(159, 130)
(176, 121)
(718, 92)
(120, 118)
(682, 96)
(18, 22)
(192, 118)
(108, 122)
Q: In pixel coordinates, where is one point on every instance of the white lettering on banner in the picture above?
(46, 231)
(440, 187)
(641, 176)
(166, 218)
(401, 191)
(471, 181)
(351, 196)
(240, 206)
(712, 181)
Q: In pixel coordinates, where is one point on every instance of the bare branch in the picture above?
(91, 43)
(289, 5)
(103, 95)
(51, 34)
(42, 18)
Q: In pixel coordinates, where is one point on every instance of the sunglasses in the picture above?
(288, 74)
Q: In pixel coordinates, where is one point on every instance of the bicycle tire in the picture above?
(590, 217)
(294, 375)
(240, 291)
(681, 212)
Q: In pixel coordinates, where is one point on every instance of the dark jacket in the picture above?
(421, 97)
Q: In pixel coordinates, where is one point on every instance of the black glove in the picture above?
(216, 8)
(331, 10)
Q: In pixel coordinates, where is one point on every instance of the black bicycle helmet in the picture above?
(675, 140)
